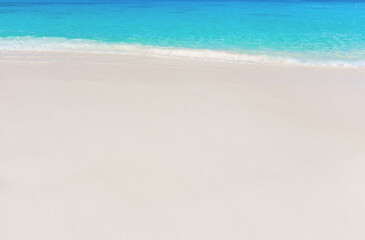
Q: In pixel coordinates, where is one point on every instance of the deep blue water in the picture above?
(308, 31)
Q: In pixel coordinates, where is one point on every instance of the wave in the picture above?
(92, 46)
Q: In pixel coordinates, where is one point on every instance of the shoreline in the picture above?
(98, 146)
(76, 46)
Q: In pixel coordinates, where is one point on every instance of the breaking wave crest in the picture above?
(92, 46)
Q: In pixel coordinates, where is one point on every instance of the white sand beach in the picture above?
(96, 146)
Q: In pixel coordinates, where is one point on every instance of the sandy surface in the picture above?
(117, 147)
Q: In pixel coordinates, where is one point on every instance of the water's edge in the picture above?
(82, 45)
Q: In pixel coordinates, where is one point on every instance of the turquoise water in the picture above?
(318, 32)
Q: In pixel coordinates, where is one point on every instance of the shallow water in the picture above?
(322, 32)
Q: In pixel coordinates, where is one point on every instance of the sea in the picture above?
(309, 32)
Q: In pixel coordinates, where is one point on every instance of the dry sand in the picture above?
(111, 147)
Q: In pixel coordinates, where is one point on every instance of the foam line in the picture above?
(81, 45)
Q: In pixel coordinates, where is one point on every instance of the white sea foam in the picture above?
(81, 45)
